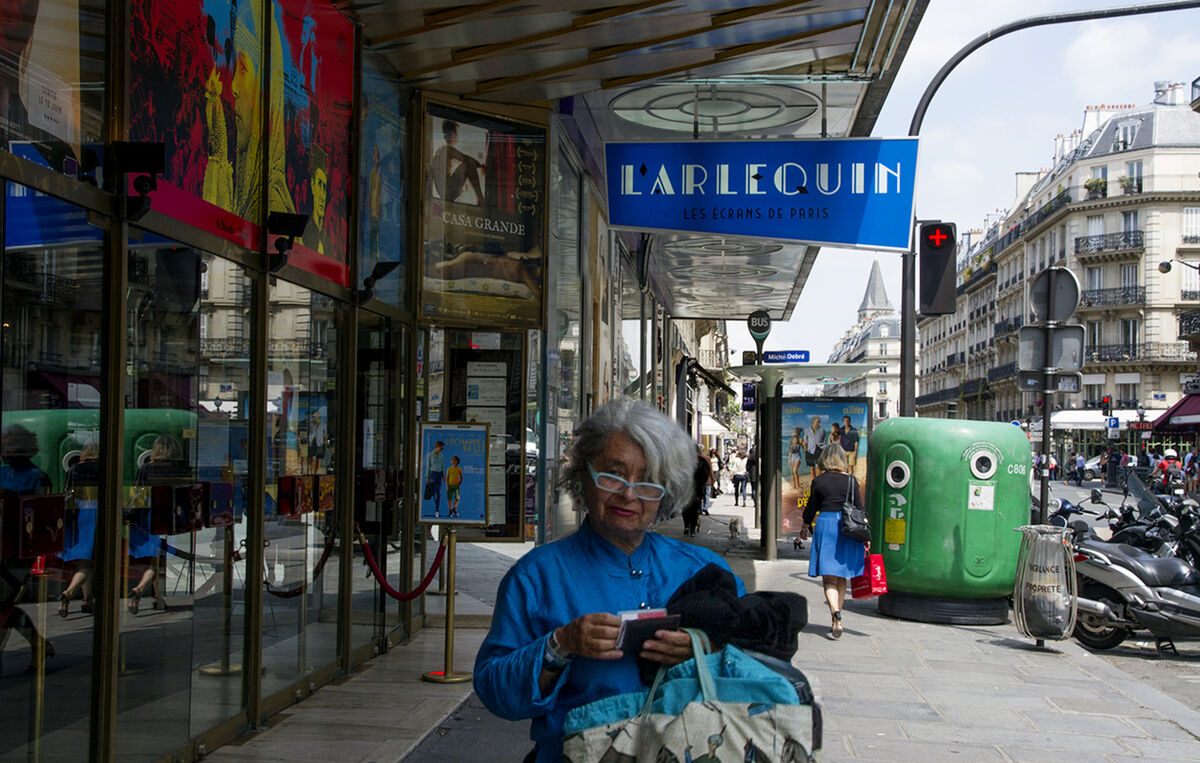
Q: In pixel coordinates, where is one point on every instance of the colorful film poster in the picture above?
(809, 424)
(195, 85)
(454, 474)
(383, 179)
(317, 89)
(484, 219)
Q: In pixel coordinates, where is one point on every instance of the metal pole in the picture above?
(908, 276)
(908, 333)
(447, 675)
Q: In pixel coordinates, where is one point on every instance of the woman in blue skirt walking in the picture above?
(835, 557)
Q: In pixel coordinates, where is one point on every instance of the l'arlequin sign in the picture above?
(844, 192)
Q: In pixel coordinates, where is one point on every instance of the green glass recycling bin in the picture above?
(944, 496)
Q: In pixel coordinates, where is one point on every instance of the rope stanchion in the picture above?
(387, 587)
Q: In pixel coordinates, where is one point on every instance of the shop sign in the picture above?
(854, 192)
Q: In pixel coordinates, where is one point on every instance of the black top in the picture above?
(828, 492)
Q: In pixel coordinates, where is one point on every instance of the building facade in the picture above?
(875, 339)
(1120, 199)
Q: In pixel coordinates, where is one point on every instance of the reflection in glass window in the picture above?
(52, 77)
(50, 385)
(187, 425)
(300, 633)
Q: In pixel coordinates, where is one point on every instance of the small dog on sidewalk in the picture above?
(735, 528)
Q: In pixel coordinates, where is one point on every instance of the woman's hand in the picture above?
(667, 647)
(593, 635)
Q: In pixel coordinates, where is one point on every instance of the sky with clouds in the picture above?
(996, 114)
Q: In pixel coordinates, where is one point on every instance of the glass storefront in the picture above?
(564, 366)
(187, 409)
(379, 488)
(213, 573)
(50, 389)
(301, 534)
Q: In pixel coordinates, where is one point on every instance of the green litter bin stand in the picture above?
(944, 496)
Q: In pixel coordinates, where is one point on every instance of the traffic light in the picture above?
(1106, 405)
(937, 244)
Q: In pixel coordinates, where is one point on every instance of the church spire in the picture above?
(875, 300)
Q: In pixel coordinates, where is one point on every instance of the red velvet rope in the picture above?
(387, 588)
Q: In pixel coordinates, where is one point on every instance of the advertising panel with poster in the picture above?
(195, 69)
(809, 424)
(382, 183)
(317, 65)
(484, 221)
(454, 474)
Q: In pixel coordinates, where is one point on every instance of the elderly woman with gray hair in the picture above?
(553, 641)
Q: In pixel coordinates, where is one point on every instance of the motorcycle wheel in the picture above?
(1094, 631)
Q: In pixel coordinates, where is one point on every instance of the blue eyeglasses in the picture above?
(611, 483)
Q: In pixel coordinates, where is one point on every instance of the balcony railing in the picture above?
(1008, 325)
(942, 395)
(711, 359)
(1006, 371)
(956, 359)
(224, 348)
(296, 348)
(1189, 294)
(1122, 295)
(975, 387)
(1149, 351)
(977, 276)
(1189, 324)
(1046, 210)
(1191, 238)
(1110, 242)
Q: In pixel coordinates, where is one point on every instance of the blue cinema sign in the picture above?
(843, 192)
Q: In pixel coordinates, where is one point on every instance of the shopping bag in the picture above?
(429, 490)
(873, 581)
(726, 705)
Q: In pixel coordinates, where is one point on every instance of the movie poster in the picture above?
(195, 85)
(382, 179)
(809, 424)
(485, 207)
(454, 474)
(317, 60)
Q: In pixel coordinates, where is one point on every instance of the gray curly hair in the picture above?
(670, 454)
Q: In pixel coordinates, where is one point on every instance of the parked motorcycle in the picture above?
(1123, 589)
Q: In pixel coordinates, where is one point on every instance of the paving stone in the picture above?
(971, 715)
(1074, 723)
(838, 711)
(1166, 748)
(1101, 707)
(913, 750)
(1002, 736)
(1161, 729)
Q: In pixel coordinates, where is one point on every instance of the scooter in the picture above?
(1122, 589)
